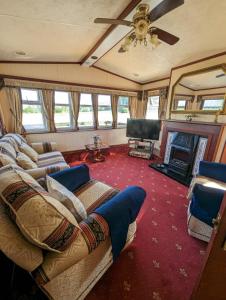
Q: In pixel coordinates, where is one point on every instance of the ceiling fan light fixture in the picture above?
(154, 40)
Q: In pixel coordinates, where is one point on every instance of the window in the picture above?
(152, 108)
(181, 105)
(213, 104)
(123, 110)
(32, 110)
(104, 111)
(85, 117)
(63, 115)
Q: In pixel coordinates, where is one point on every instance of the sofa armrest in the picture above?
(73, 178)
(213, 170)
(44, 147)
(38, 173)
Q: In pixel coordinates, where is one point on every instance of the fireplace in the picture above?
(182, 154)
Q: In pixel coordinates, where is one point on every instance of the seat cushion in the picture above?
(51, 159)
(94, 193)
(43, 220)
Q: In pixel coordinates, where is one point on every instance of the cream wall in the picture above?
(156, 84)
(69, 141)
(69, 73)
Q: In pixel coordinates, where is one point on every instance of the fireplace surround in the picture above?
(184, 144)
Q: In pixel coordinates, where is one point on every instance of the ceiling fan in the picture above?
(141, 24)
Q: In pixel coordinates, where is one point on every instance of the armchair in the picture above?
(205, 194)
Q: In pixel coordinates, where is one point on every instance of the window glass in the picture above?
(152, 108)
(63, 114)
(32, 110)
(123, 110)
(85, 118)
(215, 104)
(181, 104)
(104, 111)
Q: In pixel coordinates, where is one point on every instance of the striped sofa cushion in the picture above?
(43, 220)
(94, 193)
(50, 159)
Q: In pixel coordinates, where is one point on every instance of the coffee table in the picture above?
(96, 153)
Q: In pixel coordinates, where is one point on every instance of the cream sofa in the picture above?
(48, 161)
(71, 274)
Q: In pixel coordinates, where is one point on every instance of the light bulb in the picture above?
(154, 40)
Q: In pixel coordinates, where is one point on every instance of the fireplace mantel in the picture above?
(212, 131)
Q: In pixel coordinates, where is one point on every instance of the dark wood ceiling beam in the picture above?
(123, 15)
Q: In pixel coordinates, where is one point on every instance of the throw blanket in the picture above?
(119, 212)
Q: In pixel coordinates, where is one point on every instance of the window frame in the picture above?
(221, 97)
(30, 102)
(84, 128)
(102, 126)
(70, 111)
(123, 125)
(149, 100)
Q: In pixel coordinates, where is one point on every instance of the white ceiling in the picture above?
(205, 80)
(63, 30)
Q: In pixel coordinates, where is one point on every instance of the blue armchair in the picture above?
(205, 194)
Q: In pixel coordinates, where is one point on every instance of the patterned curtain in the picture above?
(162, 103)
(133, 107)
(95, 110)
(14, 98)
(49, 105)
(142, 104)
(114, 109)
(75, 99)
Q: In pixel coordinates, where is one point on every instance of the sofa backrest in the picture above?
(17, 138)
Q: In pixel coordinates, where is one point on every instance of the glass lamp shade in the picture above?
(154, 40)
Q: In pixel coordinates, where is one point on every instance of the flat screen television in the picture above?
(143, 129)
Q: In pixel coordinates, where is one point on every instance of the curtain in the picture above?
(142, 103)
(14, 98)
(48, 103)
(75, 99)
(95, 110)
(162, 103)
(133, 107)
(114, 109)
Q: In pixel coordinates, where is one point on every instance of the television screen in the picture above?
(143, 129)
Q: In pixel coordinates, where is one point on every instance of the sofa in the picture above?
(205, 195)
(63, 267)
(44, 159)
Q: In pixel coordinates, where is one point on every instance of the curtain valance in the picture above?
(64, 87)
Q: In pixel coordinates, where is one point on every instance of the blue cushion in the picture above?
(72, 178)
(206, 203)
(213, 170)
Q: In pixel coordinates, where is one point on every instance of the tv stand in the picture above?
(141, 148)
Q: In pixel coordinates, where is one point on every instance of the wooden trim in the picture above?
(123, 15)
(157, 88)
(200, 60)
(156, 80)
(65, 82)
(213, 88)
(112, 73)
(183, 85)
(223, 154)
(40, 62)
(213, 94)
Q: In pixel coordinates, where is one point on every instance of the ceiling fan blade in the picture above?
(220, 75)
(163, 8)
(165, 36)
(112, 21)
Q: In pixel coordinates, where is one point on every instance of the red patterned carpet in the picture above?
(163, 261)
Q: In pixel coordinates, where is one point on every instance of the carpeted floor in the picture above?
(163, 261)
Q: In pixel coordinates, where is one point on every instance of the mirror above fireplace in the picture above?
(200, 92)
